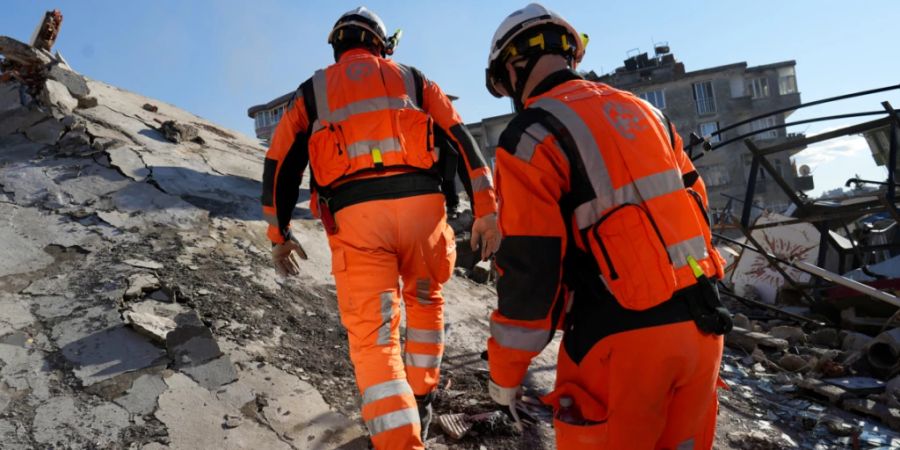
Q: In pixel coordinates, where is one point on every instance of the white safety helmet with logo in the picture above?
(530, 31)
(365, 22)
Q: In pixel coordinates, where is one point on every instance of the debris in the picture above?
(793, 363)
(481, 273)
(853, 341)
(749, 340)
(232, 421)
(741, 321)
(56, 95)
(144, 264)
(140, 283)
(178, 132)
(47, 31)
(884, 352)
(857, 385)
(888, 415)
(827, 337)
(458, 425)
(154, 319)
(87, 102)
(151, 108)
(819, 389)
(47, 132)
(794, 335)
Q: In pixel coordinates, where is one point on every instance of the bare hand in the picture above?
(284, 257)
(486, 234)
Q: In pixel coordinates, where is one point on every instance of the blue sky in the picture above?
(217, 58)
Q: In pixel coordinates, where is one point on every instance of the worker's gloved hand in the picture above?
(504, 396)
(284, 257)
(486, 234)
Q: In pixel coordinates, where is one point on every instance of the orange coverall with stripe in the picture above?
(366, 132)
(584, 166)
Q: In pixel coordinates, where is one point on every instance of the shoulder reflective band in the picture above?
(698, 271)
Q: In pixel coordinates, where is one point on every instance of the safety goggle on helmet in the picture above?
(530, 30)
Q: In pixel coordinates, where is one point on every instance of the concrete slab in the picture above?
(128, 161)
(52, 307)
(25, 369)
(297, 411)
(213, 374)
(63, 422)
(12, 438)
(154, 319)
(100, 347)
(20, 119)
(14, 314)
(142, 397)
(55, 94)
(47, 132)
(194, 417)
(142, 206)
(26, 232)
(191, 343)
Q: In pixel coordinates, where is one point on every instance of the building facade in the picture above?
(702, 102)
(266, 116)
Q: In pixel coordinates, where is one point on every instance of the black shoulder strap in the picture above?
(309, 102)
(419, 80)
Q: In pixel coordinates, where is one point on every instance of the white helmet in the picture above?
(509, 40)
(362, 18)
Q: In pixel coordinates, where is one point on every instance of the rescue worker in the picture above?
(365, 127)
(605, 236)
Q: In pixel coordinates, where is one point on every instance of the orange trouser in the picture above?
(377, 243)
(650, 388)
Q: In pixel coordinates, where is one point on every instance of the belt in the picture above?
(596, 315)
(380, 188)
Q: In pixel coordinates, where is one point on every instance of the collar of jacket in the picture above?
(356, 53)
(553, 80)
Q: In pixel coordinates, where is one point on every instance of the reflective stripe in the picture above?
(594, 165)
(425, 336)
(533, 135)
(410, 81)
(686, 445)
(519, 338)
(422, 360)
(271, 219)
(679, 251)
(648, 187)
(392, 420)
(369, 105)
(384, 331)
(481, 183)
(384, 390)
(320, 88)
(360, 148)
(423, 291)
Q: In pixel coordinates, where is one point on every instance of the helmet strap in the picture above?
(522, 75)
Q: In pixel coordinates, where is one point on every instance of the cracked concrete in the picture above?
(91, 197)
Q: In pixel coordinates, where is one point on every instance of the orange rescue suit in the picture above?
(600, 210)
(364, 125)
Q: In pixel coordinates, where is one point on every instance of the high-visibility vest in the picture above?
(642, 225)
(368, 117)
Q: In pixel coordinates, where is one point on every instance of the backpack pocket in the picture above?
(632, 257)
(416, 138)
(328, 154)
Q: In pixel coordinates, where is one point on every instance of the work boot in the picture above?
(423, 402)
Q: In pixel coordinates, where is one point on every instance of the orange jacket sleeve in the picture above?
(532, 175)
(438, 105)
(285, 162)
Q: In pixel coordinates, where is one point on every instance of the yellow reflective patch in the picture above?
(537, 40)
(565, 42)
(376, 156)
(698, 271)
